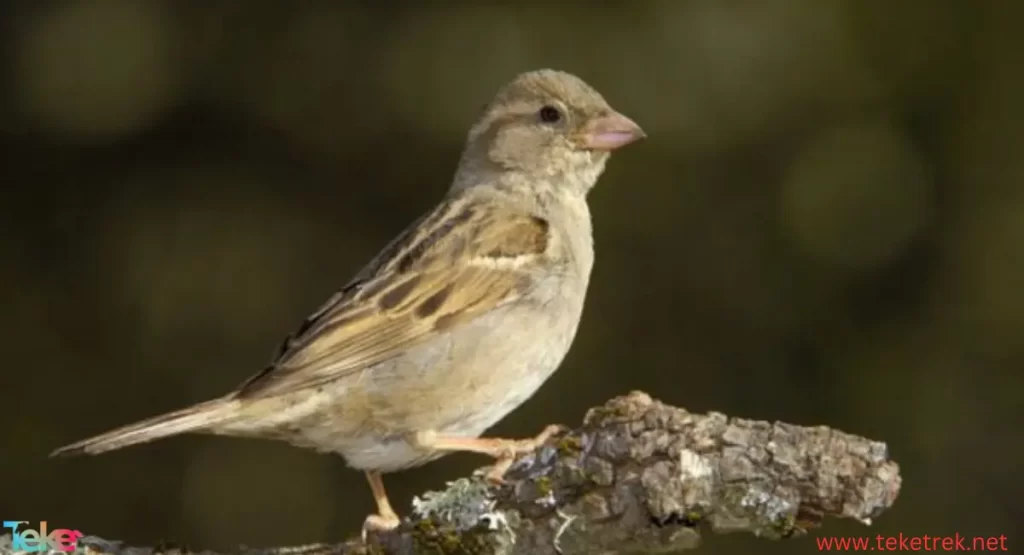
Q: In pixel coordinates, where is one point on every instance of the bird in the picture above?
(456, 322)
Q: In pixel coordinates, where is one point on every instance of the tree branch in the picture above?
(639, 476)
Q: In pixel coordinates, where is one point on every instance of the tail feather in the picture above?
(198, 417)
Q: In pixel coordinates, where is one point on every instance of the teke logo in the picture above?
(31, 540)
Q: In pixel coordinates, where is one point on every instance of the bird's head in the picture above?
(548, 125)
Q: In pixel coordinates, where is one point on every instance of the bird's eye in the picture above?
(550, 114)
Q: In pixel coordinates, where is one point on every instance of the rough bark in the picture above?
(637, 476)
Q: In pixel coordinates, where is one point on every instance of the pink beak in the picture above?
(611, 132)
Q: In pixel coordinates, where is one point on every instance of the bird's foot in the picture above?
(509, 449)
(385, 520)
(380, 523)
(504, 451)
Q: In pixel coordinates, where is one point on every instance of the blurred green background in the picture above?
(826, 226)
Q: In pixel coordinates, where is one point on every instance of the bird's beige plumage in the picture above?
(462, 260)
(456, 322)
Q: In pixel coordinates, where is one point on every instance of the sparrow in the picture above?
(456, 322)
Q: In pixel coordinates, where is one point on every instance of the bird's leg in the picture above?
(385, 519)
(504, 451)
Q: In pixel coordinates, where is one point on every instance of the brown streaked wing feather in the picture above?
(453, 265)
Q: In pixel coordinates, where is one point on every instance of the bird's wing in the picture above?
(454, 264)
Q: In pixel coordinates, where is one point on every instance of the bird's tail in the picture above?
(198, 417)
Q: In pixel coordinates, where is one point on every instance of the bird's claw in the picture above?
(549, 432)
(516, 448)
(379, 523)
